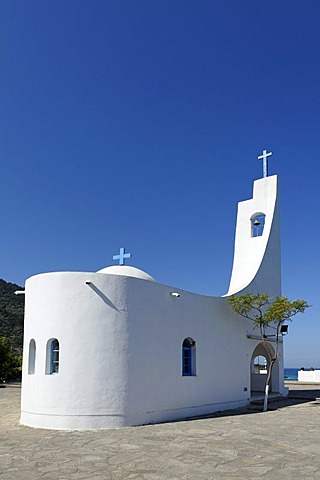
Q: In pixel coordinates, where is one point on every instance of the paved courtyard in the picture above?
(244, 444)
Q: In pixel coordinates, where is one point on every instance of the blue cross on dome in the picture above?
(122, 256)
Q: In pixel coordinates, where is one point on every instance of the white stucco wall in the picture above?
(90, 323)
(120, 352)
(168, 394)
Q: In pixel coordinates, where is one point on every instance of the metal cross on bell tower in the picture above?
(264, 157)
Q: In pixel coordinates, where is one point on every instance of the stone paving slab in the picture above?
(277, 445)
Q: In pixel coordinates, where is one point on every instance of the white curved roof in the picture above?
(126, 271)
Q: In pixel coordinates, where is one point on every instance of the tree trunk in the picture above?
(268, 380)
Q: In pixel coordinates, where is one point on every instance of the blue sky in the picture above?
(138, 124)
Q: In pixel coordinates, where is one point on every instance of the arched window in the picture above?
(32, 357)
(188, 357)
(52, 360)
(257, 224)
(260, 365)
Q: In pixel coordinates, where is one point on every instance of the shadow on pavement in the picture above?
(296, 396)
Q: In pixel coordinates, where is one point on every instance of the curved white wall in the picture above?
(90, 322)
(257, 262)
(121, 352)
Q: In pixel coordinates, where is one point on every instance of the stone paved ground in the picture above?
(278, 445)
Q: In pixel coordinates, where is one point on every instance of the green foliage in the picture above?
(263, 310)
(249, 305)
(11, 331)
(11, 315)
(282, 310)
(10, 363)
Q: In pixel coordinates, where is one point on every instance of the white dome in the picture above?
(126, 271)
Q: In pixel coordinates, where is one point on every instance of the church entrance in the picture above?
(260, 362)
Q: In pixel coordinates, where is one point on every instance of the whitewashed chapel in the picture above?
(116, 348)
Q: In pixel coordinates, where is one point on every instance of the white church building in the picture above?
(116, 348)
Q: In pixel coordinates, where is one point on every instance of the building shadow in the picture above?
(103, 297)
(295, 397)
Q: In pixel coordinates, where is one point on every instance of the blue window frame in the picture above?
(53, 357)
(257, 224)
(188, 357)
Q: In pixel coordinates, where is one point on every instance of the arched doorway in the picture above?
(260, 362)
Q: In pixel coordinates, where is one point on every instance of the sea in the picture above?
(291, 374)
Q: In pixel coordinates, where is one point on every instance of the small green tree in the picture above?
(10, 363)
(265, 312)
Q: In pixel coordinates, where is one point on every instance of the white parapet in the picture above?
(309, 376)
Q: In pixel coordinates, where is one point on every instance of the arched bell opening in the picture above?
(257, 224)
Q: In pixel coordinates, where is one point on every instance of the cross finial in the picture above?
(122, 256)
(264, 157)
